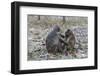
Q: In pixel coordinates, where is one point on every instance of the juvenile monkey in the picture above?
(70, 40)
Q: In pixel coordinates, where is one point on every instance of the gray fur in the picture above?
(53, 44)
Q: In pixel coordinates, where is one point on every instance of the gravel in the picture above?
(37, 49)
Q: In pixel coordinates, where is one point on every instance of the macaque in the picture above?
(53, 44)
(70, 40)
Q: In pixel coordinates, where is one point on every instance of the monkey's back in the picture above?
(52, 42)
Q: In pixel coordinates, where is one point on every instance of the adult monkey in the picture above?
(53, 42)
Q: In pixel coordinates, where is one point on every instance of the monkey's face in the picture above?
(68, 33)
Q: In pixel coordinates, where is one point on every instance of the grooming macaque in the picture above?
(53, 44)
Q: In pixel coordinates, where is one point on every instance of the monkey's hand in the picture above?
(62, 38)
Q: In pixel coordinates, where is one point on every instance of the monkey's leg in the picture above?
(60, 48)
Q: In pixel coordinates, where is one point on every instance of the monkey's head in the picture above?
(68, 33)
(56, 28)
